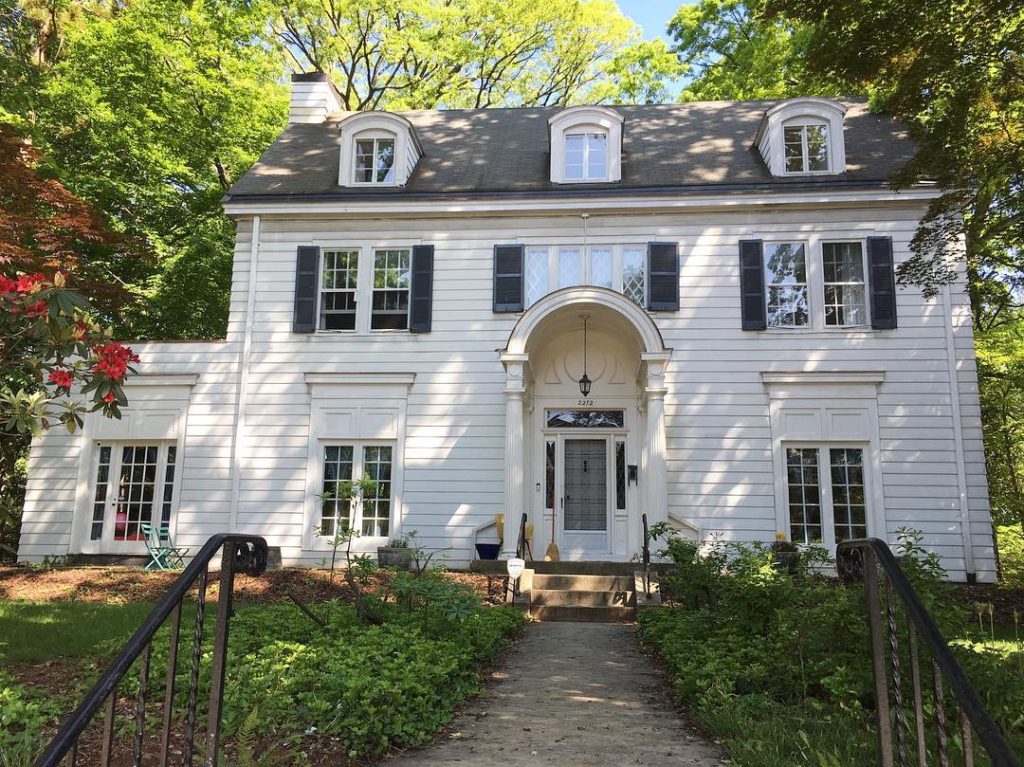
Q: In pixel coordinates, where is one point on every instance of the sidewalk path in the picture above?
(573, 695)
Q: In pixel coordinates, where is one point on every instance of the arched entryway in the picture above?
(585, 467)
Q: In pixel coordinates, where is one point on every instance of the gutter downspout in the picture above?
(958, 434)
(245, 354)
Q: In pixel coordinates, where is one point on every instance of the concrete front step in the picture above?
(497, 567)
(561, 598)
(581, 613)
(584, 582)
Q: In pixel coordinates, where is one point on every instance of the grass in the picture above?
(34, 632)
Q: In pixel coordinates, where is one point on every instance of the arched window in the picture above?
(803, 136)
(586, 145)
(377, 149)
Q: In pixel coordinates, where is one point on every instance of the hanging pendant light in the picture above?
(585, 382)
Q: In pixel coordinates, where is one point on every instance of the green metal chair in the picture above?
(163, 554)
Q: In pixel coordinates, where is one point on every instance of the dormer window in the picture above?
(806, 148)
(586, 156)
(586, 145)
(375, 160)
(803, 136)
(377, 149)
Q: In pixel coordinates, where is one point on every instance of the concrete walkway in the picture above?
(571, 694)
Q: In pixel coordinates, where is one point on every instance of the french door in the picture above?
(133, 484)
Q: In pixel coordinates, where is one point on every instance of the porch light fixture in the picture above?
(585, 382)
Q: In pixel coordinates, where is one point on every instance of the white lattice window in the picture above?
(618, 267)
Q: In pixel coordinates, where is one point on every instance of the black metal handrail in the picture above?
(861, 559)
(241, 553)
(646, 555)
(521, 544)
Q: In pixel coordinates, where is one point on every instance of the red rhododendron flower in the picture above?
(109, 397)
(113, 360)
(79, 330)
(29, 283)
(62, 378)
(38, 309)
(7, 285)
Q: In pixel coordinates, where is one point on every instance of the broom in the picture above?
(551, 555)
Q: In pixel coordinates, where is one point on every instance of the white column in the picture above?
(656, 481)
(515, 465)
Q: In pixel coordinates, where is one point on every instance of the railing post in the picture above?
(220, 651)
(880, 676)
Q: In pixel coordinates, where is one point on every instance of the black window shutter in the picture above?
(421, 293)
(752, 300)
(508, 278)
(882, 277)
(663, 276)
(307, 265)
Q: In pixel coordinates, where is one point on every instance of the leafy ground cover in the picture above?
(385, 667)
(775, 664)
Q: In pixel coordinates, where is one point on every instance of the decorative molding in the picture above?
(163, 379)
(361, 379)
(823, 378)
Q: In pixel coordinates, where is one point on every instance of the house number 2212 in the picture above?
(585, 402)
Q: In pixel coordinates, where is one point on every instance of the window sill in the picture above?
(847, 330)
(360, 333)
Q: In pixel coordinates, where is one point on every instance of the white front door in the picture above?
(583, 532)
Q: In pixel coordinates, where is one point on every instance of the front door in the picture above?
(584, 528)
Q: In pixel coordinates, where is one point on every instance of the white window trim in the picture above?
(364, 282)
(339, 405)
(803, 124)
(769, 139)
(585, 119)
(814, 252)
(586, 132)
(377, 125)
(825, 498)
(586, 254)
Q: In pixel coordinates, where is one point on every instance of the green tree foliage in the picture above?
(416, 54)
(733, 52)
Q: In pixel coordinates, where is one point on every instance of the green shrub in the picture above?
(23, 715)
(1011, 555)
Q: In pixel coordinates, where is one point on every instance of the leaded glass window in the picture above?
(785, 279)
(634, 281)
(601, 267)
(843, 270)
(570, 267)
(537, 271)
(585, 419)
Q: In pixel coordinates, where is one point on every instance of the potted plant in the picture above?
(398, 553)
(785, 555)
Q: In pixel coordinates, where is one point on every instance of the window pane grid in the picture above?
(570, 267)
(848, 504)
(804, 495)
(601, 267)
(336, 513)
(377, 501)
(338, 285)
(586, 156)
(375, 161)
(536, 274)
(391, 280)
(136, 491)
(99, 505)
(168, 491)
(805, 148)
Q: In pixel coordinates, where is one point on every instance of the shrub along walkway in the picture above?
(571, 694)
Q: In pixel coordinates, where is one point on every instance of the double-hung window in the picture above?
(806, 148)
(843, 270)
(586, 156)
(826, 493)
(375, 161)
(785, 280)
(344, 507)
(339, 281)
(391, 280)
(617, 267)
(134, 485)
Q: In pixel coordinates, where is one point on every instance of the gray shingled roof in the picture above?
(487, 152)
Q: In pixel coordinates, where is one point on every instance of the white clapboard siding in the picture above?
(718, 431)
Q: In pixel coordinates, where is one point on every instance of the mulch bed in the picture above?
(121, 585)
(1004, 600)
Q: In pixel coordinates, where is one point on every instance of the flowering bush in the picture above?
(75, 365)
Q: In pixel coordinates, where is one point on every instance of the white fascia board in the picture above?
(547, 205)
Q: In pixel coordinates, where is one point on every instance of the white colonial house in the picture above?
(418, 297)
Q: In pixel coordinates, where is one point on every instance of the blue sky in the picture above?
(652, 15)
